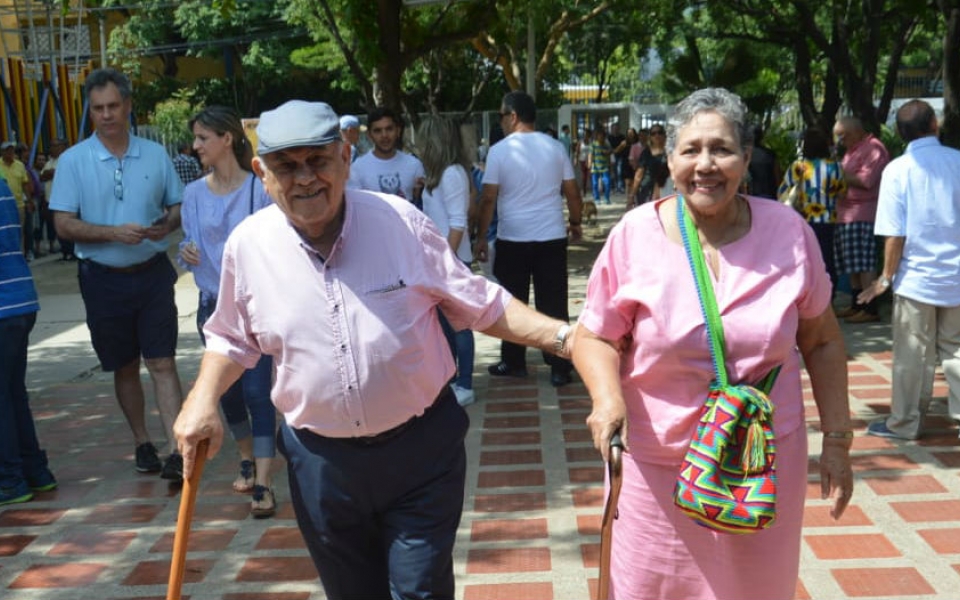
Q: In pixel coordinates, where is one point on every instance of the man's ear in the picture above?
(258, 168)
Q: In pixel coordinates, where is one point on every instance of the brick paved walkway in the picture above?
(531, 517)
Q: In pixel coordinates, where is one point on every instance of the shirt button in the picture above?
(357, 423)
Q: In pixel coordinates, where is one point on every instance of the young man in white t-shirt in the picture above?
(385, 168)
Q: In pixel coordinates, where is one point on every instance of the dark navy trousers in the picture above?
(380, 519)
(20, 453)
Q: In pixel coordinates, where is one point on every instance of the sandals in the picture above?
(246, 479)
(264, 502)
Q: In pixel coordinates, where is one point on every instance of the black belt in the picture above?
(137, 268)
(445, 395)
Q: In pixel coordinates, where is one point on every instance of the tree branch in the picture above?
(326, 15)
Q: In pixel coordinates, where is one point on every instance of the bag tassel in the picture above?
(754, 456)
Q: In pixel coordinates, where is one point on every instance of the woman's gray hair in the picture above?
(719, 100)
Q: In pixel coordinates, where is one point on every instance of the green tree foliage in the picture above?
(745, 67)
(458, 54)
(589, 40)
(149, 31)
(599, 48)
(378, 41)
(252, 40)
(843, 52)
(170, 117)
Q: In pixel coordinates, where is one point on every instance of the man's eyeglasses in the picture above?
(118, 183)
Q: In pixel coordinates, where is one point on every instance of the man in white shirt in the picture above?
(525, 175)
(386, 168)
(919, 211)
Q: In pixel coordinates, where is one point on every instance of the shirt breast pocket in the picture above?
(393, 304)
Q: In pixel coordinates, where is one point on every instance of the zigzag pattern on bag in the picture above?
(727, 480)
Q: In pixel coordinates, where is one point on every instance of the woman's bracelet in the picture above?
(843, 435)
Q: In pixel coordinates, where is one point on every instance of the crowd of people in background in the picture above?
(608, 162)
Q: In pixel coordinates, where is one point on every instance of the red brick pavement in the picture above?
(531, 517)
(530, 526)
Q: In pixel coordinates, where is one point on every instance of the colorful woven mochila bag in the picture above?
(728, 479)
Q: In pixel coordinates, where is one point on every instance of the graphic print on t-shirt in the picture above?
(390, 184)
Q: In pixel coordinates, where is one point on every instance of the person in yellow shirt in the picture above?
(15, 173)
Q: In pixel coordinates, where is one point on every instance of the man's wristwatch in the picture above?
(560, 341)
(884, 281)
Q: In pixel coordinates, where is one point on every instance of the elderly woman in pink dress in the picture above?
(643, 352)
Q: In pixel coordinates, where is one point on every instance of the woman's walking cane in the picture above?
(615, 475)
(188, 500)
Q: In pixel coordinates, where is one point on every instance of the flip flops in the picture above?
(246, 479)
(264, 502)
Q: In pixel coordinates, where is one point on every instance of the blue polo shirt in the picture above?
(18, 296)
(102, 190)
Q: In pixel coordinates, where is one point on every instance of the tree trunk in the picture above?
(950, 127)
(390, 69)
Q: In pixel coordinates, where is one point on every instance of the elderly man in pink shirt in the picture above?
(855, 246)
(341, 288)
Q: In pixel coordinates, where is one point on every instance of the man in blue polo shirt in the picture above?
(118, 197)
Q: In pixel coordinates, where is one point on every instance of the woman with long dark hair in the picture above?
(651, 171)
(212, 207)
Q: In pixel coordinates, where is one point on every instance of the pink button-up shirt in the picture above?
(641, 287)
(866, 159)
(355, 339)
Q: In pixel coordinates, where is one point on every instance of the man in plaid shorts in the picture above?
(854, 245)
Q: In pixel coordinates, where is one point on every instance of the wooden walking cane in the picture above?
(188, 500)
(615, 475)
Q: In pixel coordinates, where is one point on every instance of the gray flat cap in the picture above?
(297, 123)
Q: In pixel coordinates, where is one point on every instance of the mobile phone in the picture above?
(159, 220)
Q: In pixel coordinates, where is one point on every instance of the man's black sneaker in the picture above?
(42, 481)
(173, 468)
(560, 378)
(147, 459)
(502, 369)
(15, 494)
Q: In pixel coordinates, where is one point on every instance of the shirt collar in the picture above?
(133, 148)
(347, 215)
(924, 142)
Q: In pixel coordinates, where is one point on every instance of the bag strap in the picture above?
(252, 181)
(708, 301)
